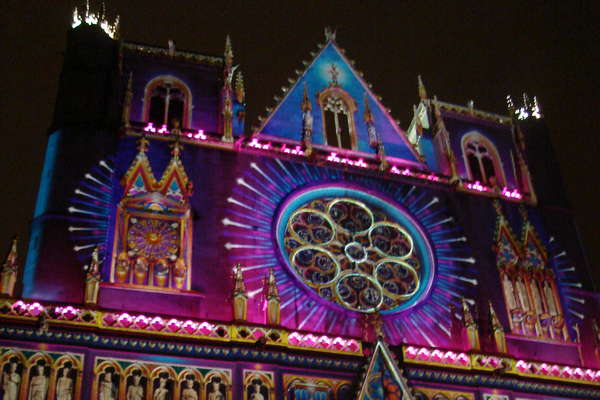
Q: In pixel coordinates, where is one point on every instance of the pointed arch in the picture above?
(109, 373)
(482, 160)
(338, 108)
(183, 379)
(66, 366)
(218, 380)
(167, 97)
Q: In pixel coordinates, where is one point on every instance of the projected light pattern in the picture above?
(90, 209)
(351, 253)
(266, 195)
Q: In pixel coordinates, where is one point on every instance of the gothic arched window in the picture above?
(338, 118)
(482, 161)
(166, 98)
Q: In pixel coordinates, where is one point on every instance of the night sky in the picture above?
(464, 50)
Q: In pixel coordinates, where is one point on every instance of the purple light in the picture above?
(295, 151)
(514, 194)
(163, 129)
(258, 145)
(333, 157)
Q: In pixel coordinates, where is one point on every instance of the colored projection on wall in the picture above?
(355, 250)
(346, 245)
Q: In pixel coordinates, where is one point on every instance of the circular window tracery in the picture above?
(357, 253)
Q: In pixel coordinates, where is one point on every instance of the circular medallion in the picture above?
(355, 249)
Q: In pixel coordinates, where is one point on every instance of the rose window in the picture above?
(357, 254)
(153, 238)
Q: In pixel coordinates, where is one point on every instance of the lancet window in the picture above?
(529, 285)
(167, 99)
(482, 161)
(338, 118)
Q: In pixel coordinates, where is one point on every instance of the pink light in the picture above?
(205, 328)
(514, 194)
(463, 359)
(353, 345)
(69, 312)
(324, 341)
(150, 127)
(174, 325)
(157, 323)
(125, 320)
(339, 343)
(411, 352)
(423, 354)
(477, 186)
(189, 326)
(568, 371)
(141, 321)
(333, 157)
(310, 340)
(258, 145)
(450, 356)
(19, 307)
(109, 319)
(294, 338)
(523, 366)
(163, 129)
(200, 135)
(297, 151)
(35, 309)
(437, 355)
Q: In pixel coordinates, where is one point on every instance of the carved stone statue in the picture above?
(522, 294)
(189, 393)
(509, 293)
(216, 390)
(38, 385)
(92, 279)
(258, 391)
(135, 391)
(107, 389)
(161, 392)
(122, 267)
(8, 271)
(11, 380)
(64, 384)
(141, 270)
(549, 294)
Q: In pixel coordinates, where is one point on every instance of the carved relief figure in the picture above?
(135, 391)
(216, 389)
(189, 392)
(107, 388)
(509, 292)
(65, 383)
(258, 391)
(38, 385)
(11, 380)
(549, 293)
(92, 279)
(161, 392)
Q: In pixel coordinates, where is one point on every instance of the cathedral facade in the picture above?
(324, 254)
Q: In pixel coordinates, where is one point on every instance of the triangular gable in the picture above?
(383, 379)
(139, 178)
(508, 249)
(175, 183)
(285, 122)
(534, 253)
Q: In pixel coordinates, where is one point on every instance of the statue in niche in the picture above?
(522, 294)
(141, 270)
(122, 267)
(179, 272)
(189, 389)
(92, 279)
(65, 382)
(108, 385)
(38, 384)
(549, 293)
(215, 389)
(161, 273)
(135, 390)
(162, 387)
(537, 299)
(11, 379)
(509, 292)
(257, 390)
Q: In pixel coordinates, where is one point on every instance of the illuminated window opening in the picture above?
(482, 161)
(166, 99)
(338, 118)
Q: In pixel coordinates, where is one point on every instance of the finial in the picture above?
(471, 105)
(330, 34)
(367, 115)
(494, 321)
(143, 144)
(171, 47)
(238, 279)
(467, 316)
(536, 109)
(240, 91)
(422, 90)
(240, 298)
(272, 290)
(11, 258)
(510, 104)
(306, 104)
(228, 52)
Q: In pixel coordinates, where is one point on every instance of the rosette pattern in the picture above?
(353, 254)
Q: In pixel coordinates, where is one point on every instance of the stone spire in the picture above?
(9, 271)
(273, 299)
(307, 121)
(240, 90)
(92, 279)
(497, 331)
(422, 90)
(239, 295)
(471, 327)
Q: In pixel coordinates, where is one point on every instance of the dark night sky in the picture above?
(464, 50)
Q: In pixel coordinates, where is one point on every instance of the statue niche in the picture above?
(216, 389)
(163, 387)
(189, 388)
(136, 384)
(11, 379)
(65, 383)
(108, 384)
(257, 390)
(38, 381)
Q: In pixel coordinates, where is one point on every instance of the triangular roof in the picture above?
(175, 182)
(285, 121)
(139, 178)
(383, 379)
